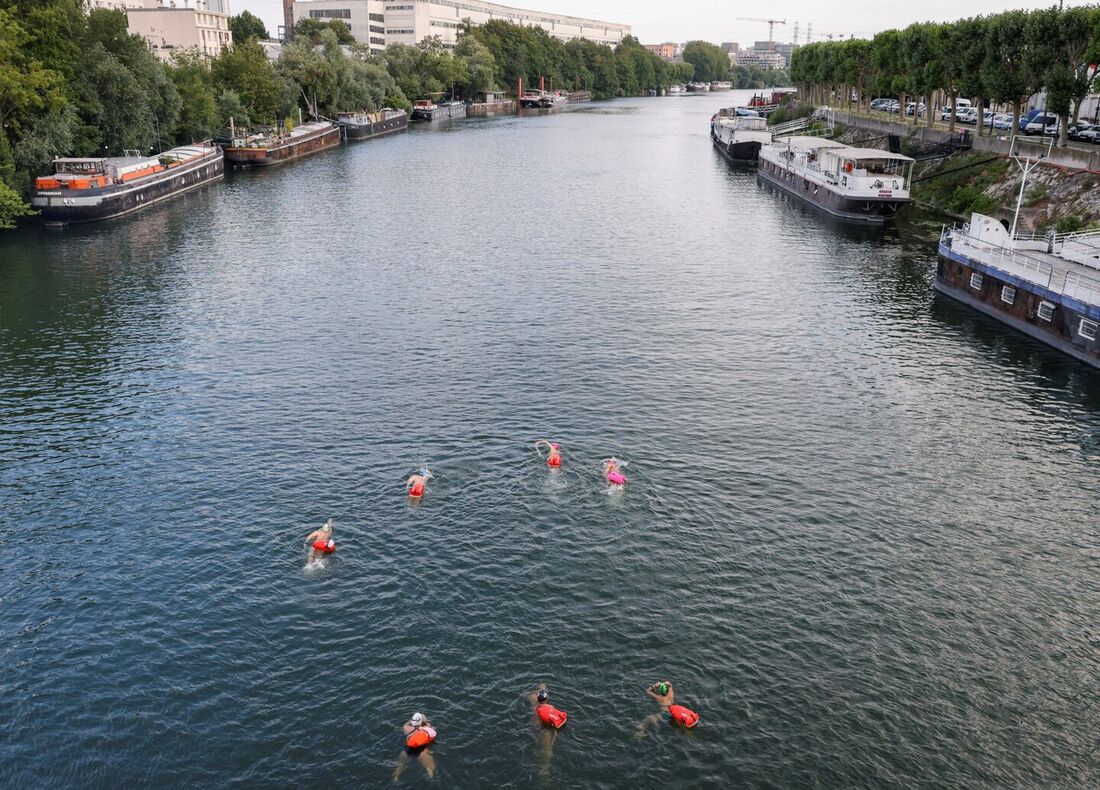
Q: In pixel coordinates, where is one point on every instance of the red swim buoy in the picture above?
(551, 716)
(684, 716)
(327, 546)
(417, 490)
(420, 737)
(554, 461)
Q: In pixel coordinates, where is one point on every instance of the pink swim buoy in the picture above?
(615, 478)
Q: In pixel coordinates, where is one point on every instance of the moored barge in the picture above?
(91, 189)
(427, 110)
(365, 125)
(739, 133)
(264, 149)
(863, 184)
(1047, 288)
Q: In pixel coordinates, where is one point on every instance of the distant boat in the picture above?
(365, 125)
(95, 188)
(274, 147)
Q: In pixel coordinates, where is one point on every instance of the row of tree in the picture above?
(712, 64)
(1001, 59)
(74, 82)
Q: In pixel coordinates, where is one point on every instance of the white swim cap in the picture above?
(417, 718)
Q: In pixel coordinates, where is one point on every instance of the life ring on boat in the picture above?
(847, 167)
(327, 546)
(684, 716)
(551, 716)
(420, 737)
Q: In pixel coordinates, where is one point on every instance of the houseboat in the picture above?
(490, 103)
(863, 184)
(365, 125)
(275, 147)
(90, 189)
(427, 110)
(1046, 287)
(540, 99)
(739, 133)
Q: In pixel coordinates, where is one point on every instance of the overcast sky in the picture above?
(683, 20)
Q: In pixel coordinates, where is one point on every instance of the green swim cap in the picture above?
(663, 688)
(328, 526)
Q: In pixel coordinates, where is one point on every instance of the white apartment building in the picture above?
(764, 59)
(411, 21)
(178, 25)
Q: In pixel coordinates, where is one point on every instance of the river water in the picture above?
(860, 533)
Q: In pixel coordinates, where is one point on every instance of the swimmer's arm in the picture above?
(653, 693)
(313, 536)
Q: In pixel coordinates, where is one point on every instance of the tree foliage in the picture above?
(711, 63)
(246, 25)
(1002, 58)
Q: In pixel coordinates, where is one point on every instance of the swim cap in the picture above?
(424, 471)
(663, 688)
(328, 526)
(542, 695)
(417, 718)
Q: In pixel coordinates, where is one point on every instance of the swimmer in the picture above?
(613, 471)
(419, 734)
(320, 541)
(416, 482)
(553, 455)
(665, 696)
(548, 719)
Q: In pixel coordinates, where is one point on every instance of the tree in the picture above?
(311, 29)
(11, 207)
(710, 62)
(478, 65)
(198, 117)
(246, 25)
(245, 69)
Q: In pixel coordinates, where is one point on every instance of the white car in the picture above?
(1042, 124)
(1002, 120)
(967, 115)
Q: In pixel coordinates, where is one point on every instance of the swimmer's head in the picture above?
(417, 718)
(662, 688)
(424, 471)
(543, 695)
(555, 445)
(328, 526)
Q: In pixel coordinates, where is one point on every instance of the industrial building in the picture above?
(379, 23)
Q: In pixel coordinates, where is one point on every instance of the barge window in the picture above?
(1087, 329)
(976, 281)
(1046, 311)
(1008, 294)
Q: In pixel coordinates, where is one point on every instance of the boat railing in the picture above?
(1008, 261)
(1082, 288)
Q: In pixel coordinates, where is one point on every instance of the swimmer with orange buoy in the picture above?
(419, 735)
(665, 696)
(320, 542)
(416, 483)
(549, 720)
(613, 471)
(553, 452)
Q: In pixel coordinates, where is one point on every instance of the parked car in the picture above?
(1002, 121)
(1025, 119)
(987, 118)
(967, 115)
(960, 105)
(879, 104)
(912, 107)
(1042, 123)
(1090, 135)
(893, 106)
(1082, 132)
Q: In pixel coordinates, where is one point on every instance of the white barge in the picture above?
(863, 184)
(739, 133)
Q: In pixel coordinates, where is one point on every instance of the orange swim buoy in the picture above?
(682, 715)
(417, 490)
(551, 716)
(420, 737)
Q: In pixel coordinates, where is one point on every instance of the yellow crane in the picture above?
(771, 26)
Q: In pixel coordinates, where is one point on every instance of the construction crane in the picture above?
(771, 26)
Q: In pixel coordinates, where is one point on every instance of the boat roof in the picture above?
(809, 142)
(72, 160)
(871, 153)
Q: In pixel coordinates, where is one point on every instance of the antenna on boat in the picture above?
(1026, 165)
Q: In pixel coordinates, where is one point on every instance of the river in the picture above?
(860, 532)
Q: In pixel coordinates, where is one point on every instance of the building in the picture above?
(178, 26)
(775, 46)
(380, 23)
(731, 47)
(763, 59)
(667, 51)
